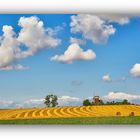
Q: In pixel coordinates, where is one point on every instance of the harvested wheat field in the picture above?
(71, 112)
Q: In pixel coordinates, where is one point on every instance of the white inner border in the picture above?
(70, 132)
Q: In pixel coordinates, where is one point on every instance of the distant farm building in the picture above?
(97, 100)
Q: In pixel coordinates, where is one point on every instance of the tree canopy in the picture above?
(51, 100)
(86, 103)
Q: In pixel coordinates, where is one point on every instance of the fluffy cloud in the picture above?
(106, 78)
(73, 53)
(33, 35)
(77, 41)
(135, 70)
(9, 47)
(92, 27)
(96, 28)
(121, 96)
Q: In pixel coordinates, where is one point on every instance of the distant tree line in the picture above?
(123, 102)
(87, 102)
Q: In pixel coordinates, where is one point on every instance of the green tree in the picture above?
(86, 103)
(51, 100)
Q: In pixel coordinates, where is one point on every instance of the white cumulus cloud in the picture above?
(92, 27)
(9, 47)
(33, 35)
(121, 96)
(74, 53)
(97, 28)
(135, 70)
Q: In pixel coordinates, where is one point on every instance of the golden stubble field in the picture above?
(70, 112)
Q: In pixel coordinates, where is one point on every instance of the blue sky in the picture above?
(117, 53)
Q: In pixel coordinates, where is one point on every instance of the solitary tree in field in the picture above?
(51, 100)
(86, 102)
